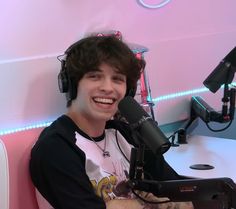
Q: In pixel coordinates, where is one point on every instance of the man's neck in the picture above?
(91, 127)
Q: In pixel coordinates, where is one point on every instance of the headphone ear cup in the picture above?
(63, 82)
(131, 92)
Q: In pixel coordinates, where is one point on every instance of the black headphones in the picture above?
(63, 78)
(65, 84)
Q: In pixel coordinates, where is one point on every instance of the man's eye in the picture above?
(93, 76)
(120, 78)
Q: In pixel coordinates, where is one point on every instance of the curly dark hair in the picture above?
(89, 53)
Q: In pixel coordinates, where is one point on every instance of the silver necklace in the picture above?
(105, 153)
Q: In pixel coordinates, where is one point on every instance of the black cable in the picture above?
(117, 142)
(120, 147)
(171, 138)
(219, 130)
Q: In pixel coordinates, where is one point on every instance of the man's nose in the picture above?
(107, 84)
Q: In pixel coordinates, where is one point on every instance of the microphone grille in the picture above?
(131, 110)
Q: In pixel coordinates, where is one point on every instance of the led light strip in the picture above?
(11, 131)
(183, 93)
(179, 94)
(157, 99)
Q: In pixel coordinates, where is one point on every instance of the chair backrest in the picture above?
(16, 188)
(4, 181)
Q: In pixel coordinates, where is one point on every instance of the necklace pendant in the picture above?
(106, 154)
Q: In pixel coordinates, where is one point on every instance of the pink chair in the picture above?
(16, 188)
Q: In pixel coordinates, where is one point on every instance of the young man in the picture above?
(81, 157)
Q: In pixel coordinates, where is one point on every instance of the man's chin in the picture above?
(106, 117)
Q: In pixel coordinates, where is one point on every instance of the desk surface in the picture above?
(218, 152)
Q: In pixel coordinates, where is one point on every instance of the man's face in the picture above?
(99, 93)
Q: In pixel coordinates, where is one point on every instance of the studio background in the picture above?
(185, 39)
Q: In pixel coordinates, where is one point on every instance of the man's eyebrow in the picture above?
(95, 70)
(118, 71)
(121, 74)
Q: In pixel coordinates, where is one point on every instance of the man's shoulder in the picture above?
(56, 134)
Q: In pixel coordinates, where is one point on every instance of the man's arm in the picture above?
(135, 204)
(124, 204)
(58, 172)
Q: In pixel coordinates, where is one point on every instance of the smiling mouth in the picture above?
(104, 100)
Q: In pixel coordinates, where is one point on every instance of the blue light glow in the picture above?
(180, 94)
(11, 131)
(157, 99)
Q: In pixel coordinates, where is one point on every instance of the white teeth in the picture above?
(103, 100)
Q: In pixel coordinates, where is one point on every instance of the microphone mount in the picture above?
(221, 190)
(223, 74)
(200, 108)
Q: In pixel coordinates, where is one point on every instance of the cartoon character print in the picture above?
(104, 188)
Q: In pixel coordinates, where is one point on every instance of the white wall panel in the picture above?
(29, 92)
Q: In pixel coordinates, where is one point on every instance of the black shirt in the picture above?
(57, 166)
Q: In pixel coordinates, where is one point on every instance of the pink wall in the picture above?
(186, 40)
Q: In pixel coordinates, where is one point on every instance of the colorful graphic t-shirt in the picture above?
(104, 172)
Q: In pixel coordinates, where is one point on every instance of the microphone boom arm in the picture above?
(199, 108)
(219, 189)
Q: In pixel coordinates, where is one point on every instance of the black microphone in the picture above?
(141, 122)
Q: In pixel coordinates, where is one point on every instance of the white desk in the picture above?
(218, 152)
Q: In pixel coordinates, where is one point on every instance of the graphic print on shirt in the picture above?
(104, 188)
(105, 173)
